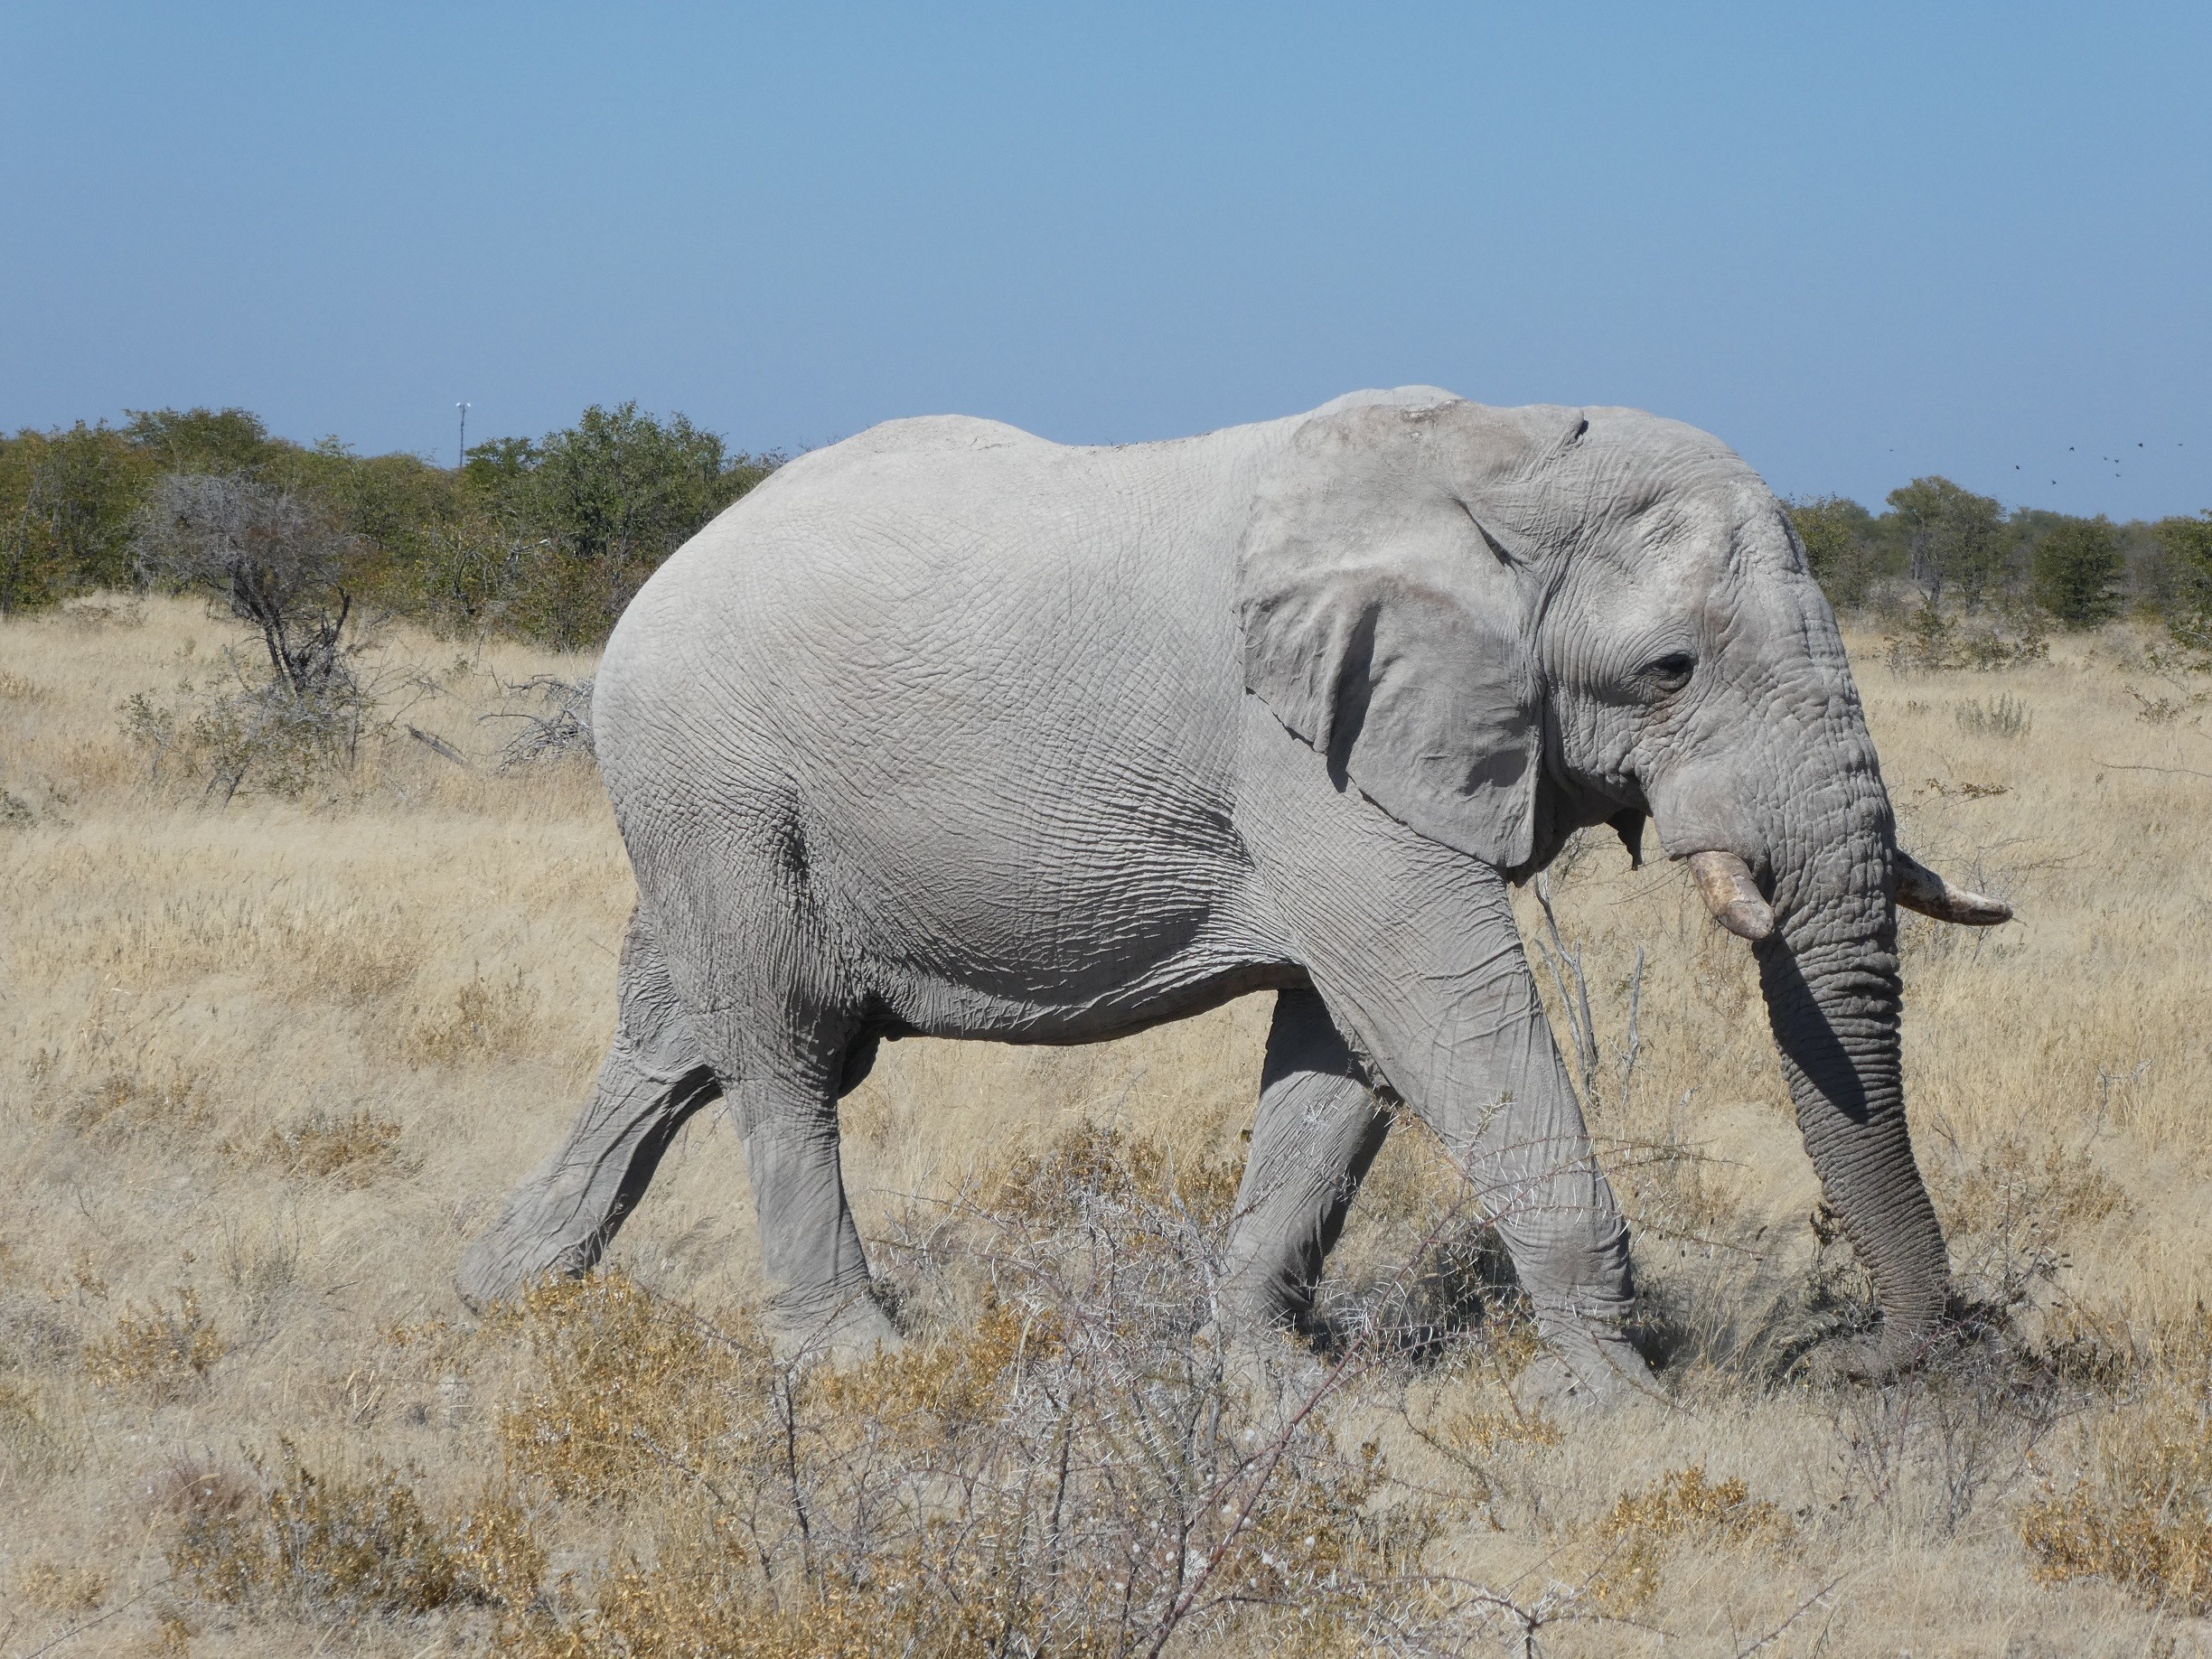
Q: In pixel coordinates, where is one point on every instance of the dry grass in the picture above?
(265, 1069)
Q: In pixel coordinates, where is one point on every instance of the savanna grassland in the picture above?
(265, 1066)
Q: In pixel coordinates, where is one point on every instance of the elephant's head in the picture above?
(1505, 624)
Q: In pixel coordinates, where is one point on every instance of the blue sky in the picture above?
(1860, 243)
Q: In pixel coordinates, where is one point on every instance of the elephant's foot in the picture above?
(1256, 1305)
(1583, 1366)
(537, 1237)
(846, 1327)
(1860, 1359)
(1267, 1364)
(561, 1219)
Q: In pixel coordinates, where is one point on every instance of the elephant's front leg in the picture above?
(1488, 1076)
(1318, 1128)
(1455, 1026)
(1414, 949)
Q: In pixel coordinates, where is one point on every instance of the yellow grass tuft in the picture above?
(330, 1543)
(124, 1103)
(354, 1149)
(1094, 1159)
(1682, 1507)
(54, 1586)
(485, 1019)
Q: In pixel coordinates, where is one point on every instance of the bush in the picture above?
(354, 1150)
(591, 512)
(1069, 1462)
(2003, 716)
(547, 539)
(2076, 570)
(2140, 1513)
(223, 441)
(1932, 642)
(1682, 1507)
(274, 559)
(2186, 545)
(163, 1352)
(1842, 550)
(67, 503)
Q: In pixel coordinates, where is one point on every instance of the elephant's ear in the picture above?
(1389, 627)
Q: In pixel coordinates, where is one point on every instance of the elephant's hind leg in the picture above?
(785, 1103)
(1318, 1128)
(561, 1219)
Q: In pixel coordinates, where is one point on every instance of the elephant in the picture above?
(949, 730)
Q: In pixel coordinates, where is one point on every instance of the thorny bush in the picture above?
(1933, 642)
(1073, 1465)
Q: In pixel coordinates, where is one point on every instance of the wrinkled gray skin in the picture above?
(949, 730)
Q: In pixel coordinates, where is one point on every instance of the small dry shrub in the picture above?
(204, 1489)
(2011, 1209)
(1681, 1507)
(1093, 1163)
(2140, 1513)
(1472, 1428)
(1932, 642)
(52, 1588)
(485, 1019)
(122, 1105)
(34, 1332)
(2003, 716)
(261, 1260)
(249, 727)
(353, 1150)
(162, 1354)
(329, 1543)
(557, 728)
(1063, 1460)
(630, 1391)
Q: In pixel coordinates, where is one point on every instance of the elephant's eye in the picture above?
(1670, 672)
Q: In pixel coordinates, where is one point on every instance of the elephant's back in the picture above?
(925, 552)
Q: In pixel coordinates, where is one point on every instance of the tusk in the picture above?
(1922, 889)
(1725, 881)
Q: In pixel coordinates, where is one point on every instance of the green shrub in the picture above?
(2076, 570)
(1842, 550)
(2186, 545)
(67, 503)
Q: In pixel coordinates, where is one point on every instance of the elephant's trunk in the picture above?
(1830, 974)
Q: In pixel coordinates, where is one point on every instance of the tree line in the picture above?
(1956, 550)
(548, 538)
